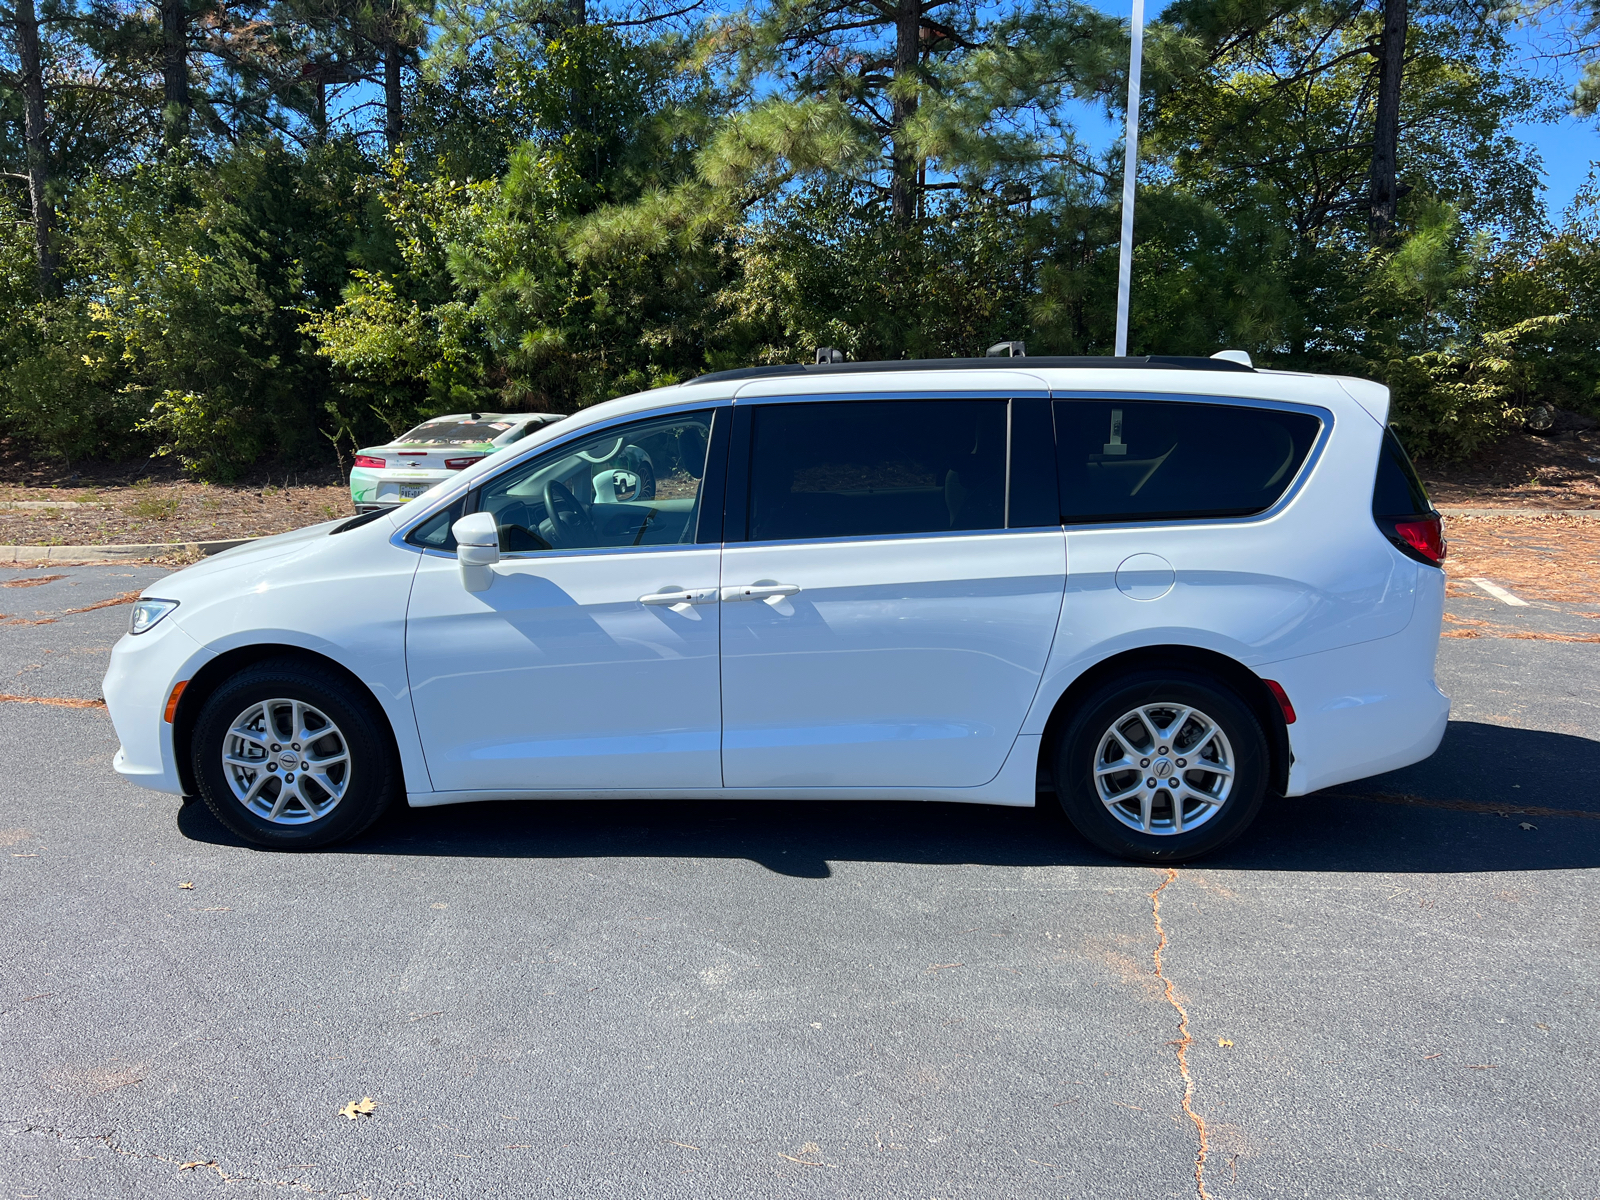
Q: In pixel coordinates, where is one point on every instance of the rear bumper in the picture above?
(1368, 708)
(373, 488)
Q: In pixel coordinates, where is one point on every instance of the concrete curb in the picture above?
(20, 555)
(38, 505)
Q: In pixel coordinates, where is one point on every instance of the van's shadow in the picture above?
(1477, 764)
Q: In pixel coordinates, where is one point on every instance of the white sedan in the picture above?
(401, 470)
(1160, 589)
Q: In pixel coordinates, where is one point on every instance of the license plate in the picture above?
(410, 491)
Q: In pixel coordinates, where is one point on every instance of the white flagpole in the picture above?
(1130, 170)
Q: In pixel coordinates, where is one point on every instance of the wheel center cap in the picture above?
(1163, 768)
(288, 760)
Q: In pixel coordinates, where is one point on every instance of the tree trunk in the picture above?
(1386, 131)
(903, 165)
(578, 12)
(38, 149)
(175, 69)
(391, 94)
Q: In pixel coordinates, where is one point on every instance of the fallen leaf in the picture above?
(1429, 1057)
(1224, 1042)
(124, 598)
(192, 1165)
(932, 967)
(364, 1107)
(685, 1145)
(803, 1162)
(187, 886)
(1525, 825)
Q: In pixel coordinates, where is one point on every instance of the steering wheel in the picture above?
(571, 527)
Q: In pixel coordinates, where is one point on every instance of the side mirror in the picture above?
(477, 549)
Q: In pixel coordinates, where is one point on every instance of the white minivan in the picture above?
(1160, 588)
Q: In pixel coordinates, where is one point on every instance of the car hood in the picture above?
(243, 558)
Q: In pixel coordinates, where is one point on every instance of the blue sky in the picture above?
(1568, 148)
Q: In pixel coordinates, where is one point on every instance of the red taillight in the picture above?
(1426, 537)
(461, 464)
(1282, 697)
(366, 460)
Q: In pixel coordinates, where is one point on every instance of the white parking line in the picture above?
(1499, 593)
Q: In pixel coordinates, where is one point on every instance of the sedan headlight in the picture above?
(147, 614)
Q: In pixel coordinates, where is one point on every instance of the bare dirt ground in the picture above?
(1526, 470)
(151, 501)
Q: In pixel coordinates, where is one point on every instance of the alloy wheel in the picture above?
(286, 761)
(1164, 769)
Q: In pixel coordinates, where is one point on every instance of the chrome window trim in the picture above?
(1325, 434)
(931, 394)
(398, 538)
(594, 551)
(1296, 485)
(927, 536)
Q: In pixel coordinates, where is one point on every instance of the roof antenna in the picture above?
(1241, 357)
(827, 354)
(1007, 350)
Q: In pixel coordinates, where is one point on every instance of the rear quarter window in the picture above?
(1152, 460)
(1398, 490)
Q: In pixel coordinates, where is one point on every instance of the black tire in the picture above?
(1087, 736)
(369, 779)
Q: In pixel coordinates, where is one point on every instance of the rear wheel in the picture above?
(292, 757)
(1162, 766)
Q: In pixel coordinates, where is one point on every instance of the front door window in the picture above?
(637, 485)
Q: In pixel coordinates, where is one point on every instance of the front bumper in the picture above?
(390, 487)
(141, 676)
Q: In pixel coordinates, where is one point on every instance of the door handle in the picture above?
(692, 596)
(759, 591)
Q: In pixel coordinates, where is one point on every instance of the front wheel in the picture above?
(291, 757)
(1162, 766)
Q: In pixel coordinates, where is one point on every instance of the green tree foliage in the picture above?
(385, 209)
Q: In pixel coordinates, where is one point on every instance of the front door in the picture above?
(881, 626)
(590, 663)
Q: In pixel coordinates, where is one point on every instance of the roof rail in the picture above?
(1158, 362)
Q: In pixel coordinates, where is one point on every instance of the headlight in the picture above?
(148, 613)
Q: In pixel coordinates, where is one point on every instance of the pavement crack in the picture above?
(1183, 1041)
(108, 1140)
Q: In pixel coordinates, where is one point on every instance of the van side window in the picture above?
(1149, 460)
(863, 468)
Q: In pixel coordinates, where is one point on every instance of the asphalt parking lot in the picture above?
(1391, 991)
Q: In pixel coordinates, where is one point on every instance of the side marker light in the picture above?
(172, 700)
(1282, 697)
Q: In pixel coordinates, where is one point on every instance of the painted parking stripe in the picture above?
(1499, 593)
